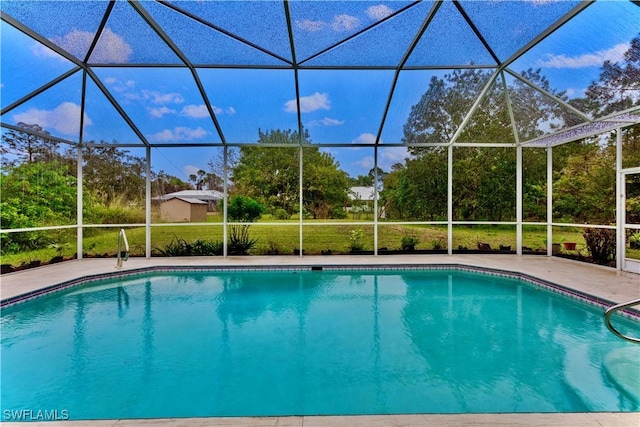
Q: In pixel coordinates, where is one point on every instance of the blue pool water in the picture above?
(302, 342)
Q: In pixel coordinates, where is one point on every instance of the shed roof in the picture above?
(193, 194)
(188, 200)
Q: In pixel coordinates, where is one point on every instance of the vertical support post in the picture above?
(147, 204)
(79, 196)
(519, 199)
(450, 200)
(300, 208)
(225, 199)
(620, 204)
(79, 203)
(375, 200)
(549, 201)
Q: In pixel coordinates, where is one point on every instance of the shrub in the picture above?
(633, 210)
(438, 244)
(180, 247)
(281, 214)
(239, 241)
(356, 239)
(244, 209)
(207, 247)
(601, 244)
(338, 212)
(116, 211)
(409, 242)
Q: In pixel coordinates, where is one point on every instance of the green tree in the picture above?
(324, 186)
(110, 173)
(418, 190)
(361, 181)
(163, 183)
(484, 178)
(33, 195)
(271, 175)
(28, 147)
(618, 85)
(584, 191)
(368, 179)
(246, 210)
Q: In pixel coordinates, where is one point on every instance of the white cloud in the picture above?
(392, 155)
(317, 101)
(200, 111)
(156, 97)
(179, 134)
(41, 51)
(158, 113)
(386, 158)
(195, 111)
(119, 86)
(65, 118)
(327, 121)
(365, 138)
(163, 98)
(191, 170)
(365, 162)
(311, 26)
(340, 23)
(344, 22)
(595, 59)
(541, 2)
(111, 48)
(75, 42)
(379, 12)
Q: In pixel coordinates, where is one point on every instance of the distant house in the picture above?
(183, 209)
(211, 197)
(364, 194)
(362, 200)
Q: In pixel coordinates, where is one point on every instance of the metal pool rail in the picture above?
(609, 312)
(122, 239)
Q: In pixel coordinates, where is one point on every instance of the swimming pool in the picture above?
(230, 343)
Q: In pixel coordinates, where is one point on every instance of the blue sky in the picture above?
(337, 106)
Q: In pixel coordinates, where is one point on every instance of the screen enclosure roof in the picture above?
(201, 73)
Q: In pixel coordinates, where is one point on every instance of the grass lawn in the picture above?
(318, 237)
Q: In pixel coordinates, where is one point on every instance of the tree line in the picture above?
(484, 180)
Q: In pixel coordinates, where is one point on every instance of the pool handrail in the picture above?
(122, 238)
(609, 312)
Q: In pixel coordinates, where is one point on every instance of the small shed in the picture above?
(183, 209)
(212, 197)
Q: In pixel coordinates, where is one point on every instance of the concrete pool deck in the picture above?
(600, 282)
